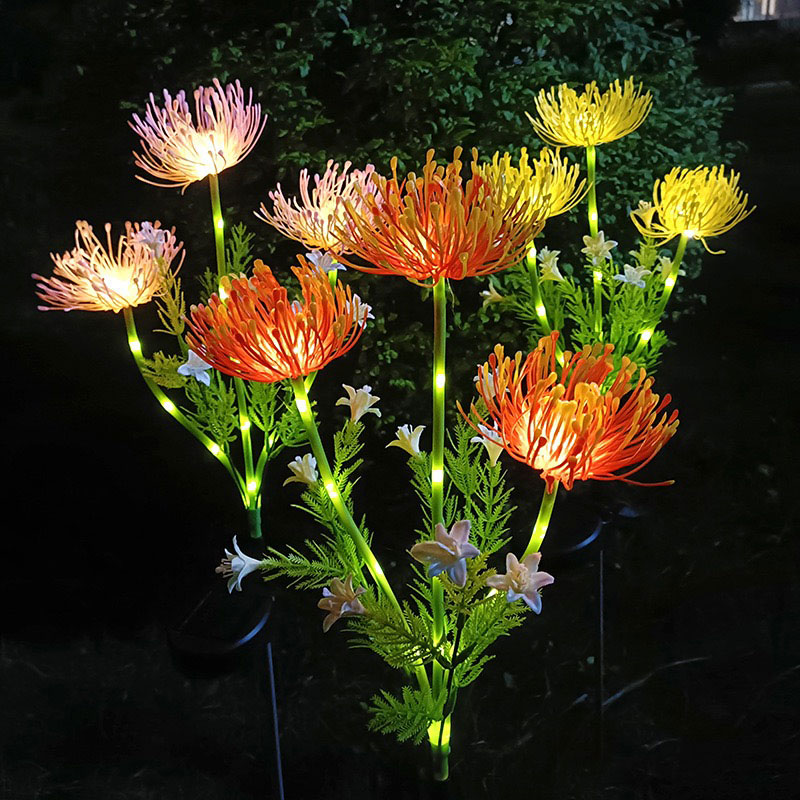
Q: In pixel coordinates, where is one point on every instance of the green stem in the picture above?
(437, 460)
(594, 226)
(219, 224)
(135, 346)
(441, 747)
(536, 290)
(307, 416)
(542, 521)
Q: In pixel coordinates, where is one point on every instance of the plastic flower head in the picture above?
(258, 334)
(490, 441)
(304, 470)
(567, 118)
(196, 368)
(360, 402)
(698, 202)
(448, 552)
(408, 439)
(98, 277)
(236, 567)
(633, 275)
(491, 295)
(563, 422)
(178, 150)
(314, 219)
(548, 262)
(522, 580)
(341, 600)
(596, 248)
(547, 187)
(436, 225)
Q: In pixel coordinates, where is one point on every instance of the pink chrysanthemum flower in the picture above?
(94, 277)
(314, 219)
(178, 150)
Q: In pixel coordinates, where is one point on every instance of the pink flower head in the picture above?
(341, 600)
(314, 219)
(94, 277)
(522, 580)
(448, 553)
(178, 150)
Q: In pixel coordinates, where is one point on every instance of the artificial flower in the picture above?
(491, 295)
(435, 225)
(94, 277)
(448, 552)
(236, 567)
(178, 150)
(314, 219)
(341, 600)
(592, 117)
(360, 401)
(697, 203)
(633, 275)
(522, 580)
(644, 212)
(257, 334)
(490, 441)
(565, 421)
(408, 439)
(548, 263)
(596, 248)
(196, 368)
(304, 470)
(153, 236)
(323, 261)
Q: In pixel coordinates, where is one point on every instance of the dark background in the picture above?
(115, 519)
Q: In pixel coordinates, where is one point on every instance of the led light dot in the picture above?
(223, 295)
(540, 310)
(437, 475)
(645, 335)
(330, 487)
(251, 486)
(220, 223)
(168, 405)
(669, 282)
(440, 380)
(532, 254)
(214, 448)
(244, 424)
(135, 345)
(302, 405)
(593, 216)
(690, 234)
(598, 276)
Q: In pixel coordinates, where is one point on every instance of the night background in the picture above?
(115, 517)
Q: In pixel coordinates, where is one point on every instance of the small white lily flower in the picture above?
(522, 580)
(491, 295)
(341, 600)
(304, 470)
(448, 552)
(665, 267)
(236, 567)
(491, 441)
(324, 261)
(485, 382)
(633, 275)
(645, 213)
(152, 237)
(360, 402)
(363, 311)
(408, 439)
(548, 263)
(196, 368)
(597, 249)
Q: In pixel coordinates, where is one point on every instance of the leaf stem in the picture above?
(542, 521)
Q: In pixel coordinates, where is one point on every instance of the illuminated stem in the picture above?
(135, 346)
(437, 460)
(536, 291)
(353, 531)
(594, 225)
(252, 485)
(542, 521)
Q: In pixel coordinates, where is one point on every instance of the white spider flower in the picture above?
(490, 441)
(491, 295)
(196, 368)
(597, 249)
(448, 552)
(324, 261)
(408, 439)
(236, 567)
(304, 470)
(360, 402)
(548, 263)
(633, 275)
(522, 580)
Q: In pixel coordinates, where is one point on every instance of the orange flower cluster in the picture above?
(563, 422)
(258, 334)
(436, 225)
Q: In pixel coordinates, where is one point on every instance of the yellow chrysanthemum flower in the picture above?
(546, 187)
(567, 118)
(699, 202)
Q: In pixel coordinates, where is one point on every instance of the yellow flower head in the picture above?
(697, 202)
(567, 118)
(546, 187)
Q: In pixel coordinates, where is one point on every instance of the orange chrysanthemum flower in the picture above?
(563, 422)
(436, 225)
(258, 334)
(178, 150)
(315, 218)
(92, 277)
